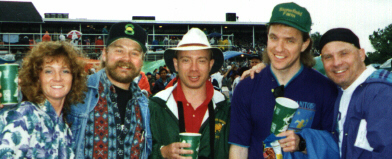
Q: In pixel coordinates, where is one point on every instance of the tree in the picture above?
(316, 41)
(382, 43)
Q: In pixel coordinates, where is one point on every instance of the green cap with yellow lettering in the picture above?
(293, 15)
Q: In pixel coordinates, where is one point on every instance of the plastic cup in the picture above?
(194, 140)
(283, 113)
(9, 84)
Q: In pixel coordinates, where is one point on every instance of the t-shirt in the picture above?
(253, 105)
(123, 96)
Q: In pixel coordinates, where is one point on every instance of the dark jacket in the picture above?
(371, 101)
(165, 128)
(159, 85)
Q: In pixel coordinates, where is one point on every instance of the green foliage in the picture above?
(316, 41)
(382, 43)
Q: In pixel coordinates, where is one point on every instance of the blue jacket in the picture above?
(79, 113)
(372, 101)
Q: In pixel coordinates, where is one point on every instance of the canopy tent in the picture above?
(2, 61)
(150, 66)
(230, 54)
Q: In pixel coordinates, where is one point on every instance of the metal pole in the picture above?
(253, 36)
(221, 32)
(40, 31)
(153, 32)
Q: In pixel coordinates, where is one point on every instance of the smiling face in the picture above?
(284, 47)
(55, 80)
(193, 67)
(123, 60)
(343, 62)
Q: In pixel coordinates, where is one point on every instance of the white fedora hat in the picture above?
(195, 39)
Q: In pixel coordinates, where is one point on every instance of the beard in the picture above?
(118, 75)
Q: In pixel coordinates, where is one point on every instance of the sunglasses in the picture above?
(278, 91)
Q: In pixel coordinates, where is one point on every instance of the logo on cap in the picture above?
(290, 12)
(129, 29)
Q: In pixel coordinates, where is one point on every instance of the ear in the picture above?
(175, 64)
(362, 54)
(305, 45)
(103, 56)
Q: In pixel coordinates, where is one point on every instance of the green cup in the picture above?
(283, 113)
(194, 140)
(9, 84)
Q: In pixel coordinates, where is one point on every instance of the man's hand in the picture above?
(291, 142)
(175, 149)
(251, 72)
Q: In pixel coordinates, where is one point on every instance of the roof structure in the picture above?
(20, 12)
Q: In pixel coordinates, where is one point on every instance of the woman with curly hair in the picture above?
(52, 78)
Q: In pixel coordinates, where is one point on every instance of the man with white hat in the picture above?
(192, 105)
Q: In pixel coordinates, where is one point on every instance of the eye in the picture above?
(66, 71)
(185, 60)
(118, 50)
(290, 41)
(326, 57)
(135, 53)
(202, 60)
(47, 71)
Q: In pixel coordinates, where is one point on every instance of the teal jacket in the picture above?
(165, 127)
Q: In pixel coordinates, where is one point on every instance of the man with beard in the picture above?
(191, 105)
(113, 121)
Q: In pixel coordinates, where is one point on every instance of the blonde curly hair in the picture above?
(33, 64)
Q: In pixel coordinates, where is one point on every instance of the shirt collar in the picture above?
(361, 78)
(179, 94)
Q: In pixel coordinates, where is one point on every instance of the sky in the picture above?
(363, 17)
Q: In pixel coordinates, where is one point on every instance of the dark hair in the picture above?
(306, 57)
(162, 69)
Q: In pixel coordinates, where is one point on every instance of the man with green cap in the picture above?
(191, 105)
(288, 74)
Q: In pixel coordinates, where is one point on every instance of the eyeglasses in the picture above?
(278, 91)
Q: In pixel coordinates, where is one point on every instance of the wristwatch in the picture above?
(302, 143)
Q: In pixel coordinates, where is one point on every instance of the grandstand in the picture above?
(20, 19)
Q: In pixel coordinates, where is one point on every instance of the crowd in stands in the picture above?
(228, 76)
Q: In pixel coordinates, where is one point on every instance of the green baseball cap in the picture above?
(293, 15)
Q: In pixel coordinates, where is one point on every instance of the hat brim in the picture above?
(217, 55)
(285, 22)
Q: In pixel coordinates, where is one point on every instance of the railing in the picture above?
(15, 43)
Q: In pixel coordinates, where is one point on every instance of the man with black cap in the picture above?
(254, 60)
(191, 105)
(363, 109)
(288, 74)
(113, 121)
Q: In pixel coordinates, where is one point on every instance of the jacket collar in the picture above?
(167, 95)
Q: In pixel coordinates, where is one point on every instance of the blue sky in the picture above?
(361, 16)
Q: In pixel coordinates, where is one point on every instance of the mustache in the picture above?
(125, 64)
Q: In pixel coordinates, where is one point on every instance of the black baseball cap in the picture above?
(127, 30)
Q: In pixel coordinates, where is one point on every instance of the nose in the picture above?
(57, 76)
(279, 46)
(194, 66)
(127, 56)
(337, 61)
